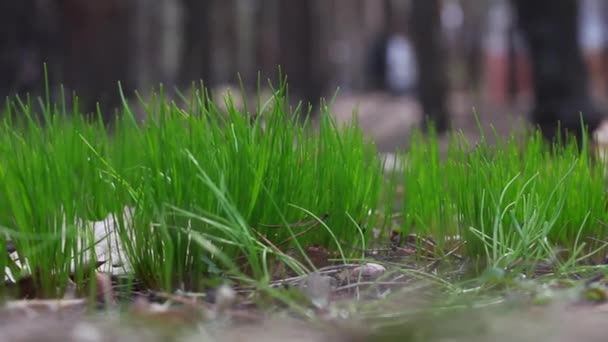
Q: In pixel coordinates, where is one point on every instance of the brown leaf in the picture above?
(368, 271)
(166, 314)
(35, 307)
(318, 255)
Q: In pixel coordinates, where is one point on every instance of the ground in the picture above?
(408, 314)
(389, 119)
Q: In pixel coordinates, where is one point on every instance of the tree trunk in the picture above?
(559, 75)
(246, 37)
(223, 41)
(432, 80)
(376, 50)
(297, 49)
(474, 19)
(196, 58)
(96, 47)
(28, 30)
(267, 48)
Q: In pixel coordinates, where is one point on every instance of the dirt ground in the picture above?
(389, 119)
(560, 322)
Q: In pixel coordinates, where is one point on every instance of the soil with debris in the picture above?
(68, 321)
(358, 302)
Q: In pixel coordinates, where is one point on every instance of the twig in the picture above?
(298, 235)
(313, 223)
(363, 283)
(451, 252)
(297, 224)
(178, 299)
(265, 239)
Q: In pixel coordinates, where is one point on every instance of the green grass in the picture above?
(240, 194)
(205, 186)
(516, 202)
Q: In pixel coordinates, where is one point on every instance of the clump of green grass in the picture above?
(269, 174)
(49, 183)
(210, 189)
(517, 202)
(238, 193)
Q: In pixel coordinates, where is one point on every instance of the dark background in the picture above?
(487, 54)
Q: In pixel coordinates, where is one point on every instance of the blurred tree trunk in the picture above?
(474, 19)
(512, 88)
(297, 52)
(196, 58)
(346, 37)
(432, 79)
(267, 48)
(559, 75)
(28, 30)
(13, 39)
(223, 41)
(97, 52)
(376, 14)
(246, 39)
(156, 43)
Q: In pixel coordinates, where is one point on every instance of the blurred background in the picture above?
(391, 59)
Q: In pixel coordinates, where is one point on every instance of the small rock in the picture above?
(86, 332)
(318, 288)
(368, 271)
(225, 298)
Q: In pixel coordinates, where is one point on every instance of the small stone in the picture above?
(318, 289)
(86, 332)
(225, 298)
(368, 271)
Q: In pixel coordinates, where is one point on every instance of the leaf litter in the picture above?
(394, 295)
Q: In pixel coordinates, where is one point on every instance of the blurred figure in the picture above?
(452, 21)
(550, 28)
(506, 67)
(376, 62)
(593, 41)
(425, 28)
(398, 66)
(452, 26)
(392, 61)
(400, 72)
(495, 46)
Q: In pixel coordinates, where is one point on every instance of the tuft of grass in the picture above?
(49, 183)
(518, 202)
(244, 181)
(215, 191)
